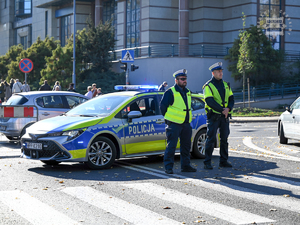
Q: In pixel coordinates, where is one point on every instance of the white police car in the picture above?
(111, 126)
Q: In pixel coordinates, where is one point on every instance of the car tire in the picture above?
(101, 154)
(50, 162)
(282, 138)
(199, 145)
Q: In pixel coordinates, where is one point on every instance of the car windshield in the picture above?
(101, 106)
(16, 100)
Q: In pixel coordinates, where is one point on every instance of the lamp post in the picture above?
(74, 35)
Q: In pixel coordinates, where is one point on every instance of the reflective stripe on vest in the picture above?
(210, 90)
(177, 112)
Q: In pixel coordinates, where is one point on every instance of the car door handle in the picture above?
(45, 114)
(160, 121)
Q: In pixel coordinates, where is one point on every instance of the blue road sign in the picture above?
(26, 65)
(127, 56)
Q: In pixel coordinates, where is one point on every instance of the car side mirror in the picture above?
(288, 108)
(134, 114)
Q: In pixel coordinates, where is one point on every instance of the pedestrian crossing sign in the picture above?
(127, 56)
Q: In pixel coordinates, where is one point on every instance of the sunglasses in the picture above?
(182, 79)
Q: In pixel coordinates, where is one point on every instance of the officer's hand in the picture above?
(225, 112)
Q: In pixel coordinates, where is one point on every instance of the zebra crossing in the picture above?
(31, 208)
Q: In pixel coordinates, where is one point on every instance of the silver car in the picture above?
(289, 123)
(48, 104)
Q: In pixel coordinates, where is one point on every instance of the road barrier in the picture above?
(18, 111)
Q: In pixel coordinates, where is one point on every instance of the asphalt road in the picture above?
(263, 187)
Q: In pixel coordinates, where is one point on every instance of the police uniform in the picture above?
(176, 108)
(218, 95)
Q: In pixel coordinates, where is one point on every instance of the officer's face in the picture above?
(218, 74)
(181, 81)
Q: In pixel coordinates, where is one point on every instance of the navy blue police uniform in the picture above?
(215, 119)
(177, 130)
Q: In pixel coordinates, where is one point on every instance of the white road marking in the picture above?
(248, 142)
(33, 210)
(223, 212)
(256, 154)
(283, 148)
(120, 208)
(219, 186)
(269, 181)
(296, 173)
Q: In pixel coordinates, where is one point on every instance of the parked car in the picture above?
(112, 126)
(289, 123)
(48, 104)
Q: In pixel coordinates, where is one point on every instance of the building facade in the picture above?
(190, 28)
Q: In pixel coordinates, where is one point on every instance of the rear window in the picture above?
(16, 100)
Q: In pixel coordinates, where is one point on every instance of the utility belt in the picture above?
(216, 116)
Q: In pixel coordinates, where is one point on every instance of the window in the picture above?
(53, 101)
(110, 12)
(197, 104)
(46, 23)
(24, 42)
(271, 9)
(133, 23)
(74, 101)
(147, 106)
(22, 7)
(65, 29)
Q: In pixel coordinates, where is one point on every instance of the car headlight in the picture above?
(73, 133)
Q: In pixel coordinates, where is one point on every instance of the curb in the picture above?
(254, 119)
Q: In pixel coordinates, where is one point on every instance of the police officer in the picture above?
(176, 108)
(219, 103)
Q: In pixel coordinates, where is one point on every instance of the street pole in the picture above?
(127, 76)
(26, 78)
(74, 35)
(243, 89)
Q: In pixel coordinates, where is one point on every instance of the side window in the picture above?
(40, 102)
(147, 106)
(74, 101)
(53, 101)
(197, 103)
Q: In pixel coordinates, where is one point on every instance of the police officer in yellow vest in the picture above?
(176, 108)
(219, 103)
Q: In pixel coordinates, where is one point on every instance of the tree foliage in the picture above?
(267, 62)
(36, 53)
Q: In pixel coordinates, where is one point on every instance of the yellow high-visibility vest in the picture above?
(177, 111)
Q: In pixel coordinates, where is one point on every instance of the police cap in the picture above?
(182, 72)
(216, 66)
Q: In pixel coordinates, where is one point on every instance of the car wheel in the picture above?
(50, 162)
(101, 153)
(282, 138)
(199, 145)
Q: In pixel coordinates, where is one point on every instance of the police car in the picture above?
(111, 126)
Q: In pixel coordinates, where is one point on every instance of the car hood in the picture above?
(63, 123)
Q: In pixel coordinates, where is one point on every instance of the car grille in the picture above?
(50, 149)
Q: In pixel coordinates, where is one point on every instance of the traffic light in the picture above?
(124, 66)
(134, 67)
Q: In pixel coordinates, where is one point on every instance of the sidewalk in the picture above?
(242, 119)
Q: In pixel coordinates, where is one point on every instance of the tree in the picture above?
(267, 62)
(36, 53)
(12, 54)
(244, 63)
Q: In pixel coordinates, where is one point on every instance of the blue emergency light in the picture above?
(136, 87)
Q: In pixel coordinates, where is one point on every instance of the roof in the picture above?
(31, 93)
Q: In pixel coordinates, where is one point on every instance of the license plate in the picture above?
(37, 146)
(3, 128)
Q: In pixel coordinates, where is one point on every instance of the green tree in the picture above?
(267, 62)
(12, 54)
(36, 53)
(244, 63)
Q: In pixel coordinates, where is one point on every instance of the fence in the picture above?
(216, 51)
(267, 92)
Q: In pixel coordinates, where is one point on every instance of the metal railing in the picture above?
(166, 50)
(268, 93)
